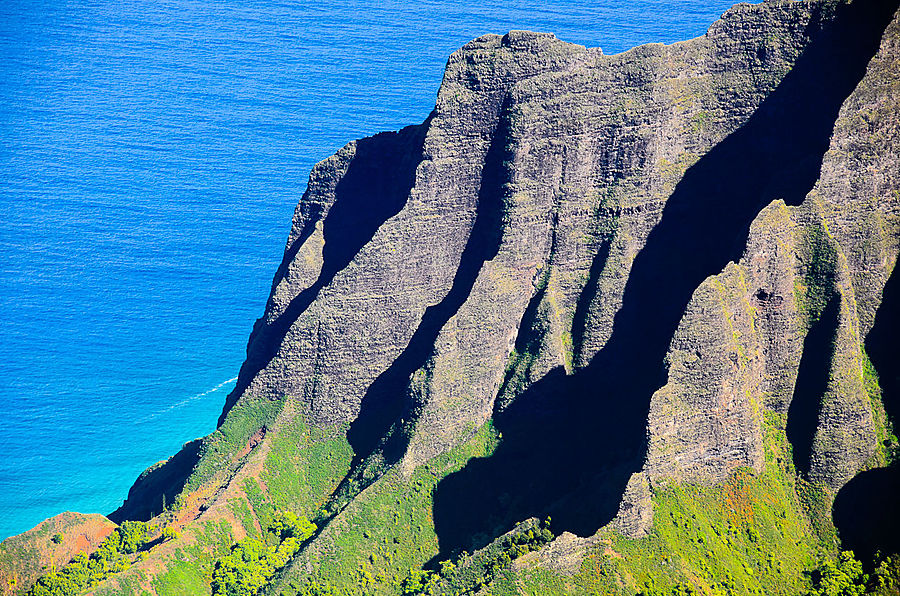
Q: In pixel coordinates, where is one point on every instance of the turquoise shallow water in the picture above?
(151, 154)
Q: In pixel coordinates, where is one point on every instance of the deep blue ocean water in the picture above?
(151, 154)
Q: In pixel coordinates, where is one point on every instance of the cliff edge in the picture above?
(605, 292)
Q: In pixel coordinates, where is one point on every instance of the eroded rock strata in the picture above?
(584, 281)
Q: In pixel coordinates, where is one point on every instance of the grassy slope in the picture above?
(301, 468)
(749, 535)
(386, 531)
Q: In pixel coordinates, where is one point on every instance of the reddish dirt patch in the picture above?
(254, 440)
(738, 500)
(28, 556)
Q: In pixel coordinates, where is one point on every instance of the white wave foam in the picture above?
(187, 400)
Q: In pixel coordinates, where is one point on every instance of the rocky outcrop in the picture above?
(533, 251)
(630, 265)
(565, 141)
(807, 287)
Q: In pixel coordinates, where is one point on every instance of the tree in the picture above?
(844, 578)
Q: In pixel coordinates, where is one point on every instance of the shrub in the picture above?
(844, 578)
(251, 563)
(169, 533)
(83, 572)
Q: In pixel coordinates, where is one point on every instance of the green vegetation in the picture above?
(190, 570)
(468, 573)
(169, 533)
(748, 535)
(742, 537)
(819, 274)
(816, 502)
(114, 554)
(752, 534)
(219, 450)
(180, 578)
(885, 579)
(845, 576)
(304, 466)
(464, 575)
(371, 544)
(757, 533)
(888, 443)
(57, 538)
(251, 563)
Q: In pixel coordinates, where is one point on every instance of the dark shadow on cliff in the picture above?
(883, 347)
(387, 409)
(865, 509)
(374, 188)
(158, 486)
(866, 513)
(587, 297)
(570, 442)
(812, 381)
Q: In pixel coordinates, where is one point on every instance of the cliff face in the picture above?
(536, 247)
(633, 269)
(785, 326)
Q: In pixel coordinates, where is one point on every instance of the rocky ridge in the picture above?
(631, 268)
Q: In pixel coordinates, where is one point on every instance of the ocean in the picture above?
(151, 155)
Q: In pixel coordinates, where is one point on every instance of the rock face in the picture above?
(805, 292)
(628, 264)
(569, 234)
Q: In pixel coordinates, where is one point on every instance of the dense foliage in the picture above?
(846, 577)
(83, 572)
(470, 572)
(252, 562)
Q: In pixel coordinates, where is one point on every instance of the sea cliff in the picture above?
(629, 307)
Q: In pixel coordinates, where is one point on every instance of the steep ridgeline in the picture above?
(628, 293)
